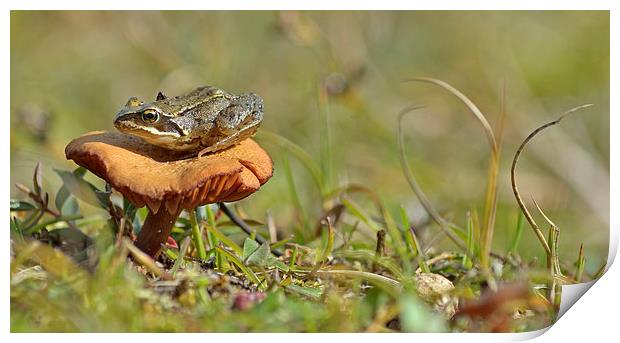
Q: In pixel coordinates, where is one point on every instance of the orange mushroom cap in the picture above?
(149, 175)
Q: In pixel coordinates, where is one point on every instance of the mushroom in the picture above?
(168, 182)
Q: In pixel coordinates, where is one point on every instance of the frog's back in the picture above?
(198, 100)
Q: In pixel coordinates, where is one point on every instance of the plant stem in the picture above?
(197, 236)
(212, 239)
(513, 177)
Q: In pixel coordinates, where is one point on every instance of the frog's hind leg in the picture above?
(223, 144)
(230, 140)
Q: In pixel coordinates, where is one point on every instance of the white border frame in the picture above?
(592, 318)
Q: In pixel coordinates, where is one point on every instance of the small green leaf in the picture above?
(61, 196)
(66, 204)
(249, 246)
(83, 190)
(55, 220)
(17, 205)
(71, 207)
(261, 257)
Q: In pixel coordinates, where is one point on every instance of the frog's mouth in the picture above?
(170, 137)
(148, 132)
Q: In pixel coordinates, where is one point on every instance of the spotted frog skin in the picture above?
(205, 120)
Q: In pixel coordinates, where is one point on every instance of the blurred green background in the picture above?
(71, 71)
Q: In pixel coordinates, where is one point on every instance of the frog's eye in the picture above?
(150, 116)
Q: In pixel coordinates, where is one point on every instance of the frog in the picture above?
(203, 121)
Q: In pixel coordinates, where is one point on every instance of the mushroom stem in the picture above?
(155, 231)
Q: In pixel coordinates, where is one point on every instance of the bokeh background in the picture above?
(333, 84)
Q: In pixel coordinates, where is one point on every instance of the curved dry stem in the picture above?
(491, 193)
(472, 107)
(513, 178)
(415, 187)
(554, 239)
(542, 213)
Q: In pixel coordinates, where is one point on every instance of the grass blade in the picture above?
(213, 240)
(412, 240)
(471, 242)
(581, 263)
(359, 213)
(329, 243)
(516, 239)
(224, 239)
(237, 262)
(197, 236)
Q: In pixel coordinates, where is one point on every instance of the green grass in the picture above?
(360, 271)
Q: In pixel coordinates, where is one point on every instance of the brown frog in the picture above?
(205, 120)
